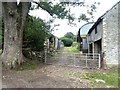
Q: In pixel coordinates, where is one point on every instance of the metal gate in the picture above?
(86, 60)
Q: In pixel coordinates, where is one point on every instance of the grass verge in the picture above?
(99, 78)
(73, 49)
(102, 79)
(28, 65)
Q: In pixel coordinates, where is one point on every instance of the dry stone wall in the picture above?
(110, 34)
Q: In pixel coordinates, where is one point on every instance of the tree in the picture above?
(14, 19)
(69, 35)
(67, 41)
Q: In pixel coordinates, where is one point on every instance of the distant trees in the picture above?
(68, 39)
(69, 35)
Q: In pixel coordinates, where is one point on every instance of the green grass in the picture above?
(29, 65)
(74, 48)
(110, 77)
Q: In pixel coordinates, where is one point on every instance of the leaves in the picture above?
(69, 35)
(35, 33)
(60, 11)
(83, 17)
(72, 3)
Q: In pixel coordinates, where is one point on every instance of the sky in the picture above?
(63, 28)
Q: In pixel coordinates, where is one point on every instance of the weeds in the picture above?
(107, 78)
(29, 65)
(74, 48)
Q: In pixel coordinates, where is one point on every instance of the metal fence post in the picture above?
(86, 60)
(99, 61)
(74, 59)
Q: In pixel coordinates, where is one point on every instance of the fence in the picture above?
(87, 60)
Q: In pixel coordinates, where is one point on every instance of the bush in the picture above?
(76, 45)
(34, 34)
(67, 42)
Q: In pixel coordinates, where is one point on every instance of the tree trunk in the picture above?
(14, 18)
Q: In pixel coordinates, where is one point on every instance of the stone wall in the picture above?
(95, 48)
(119, 34)
(110, 35)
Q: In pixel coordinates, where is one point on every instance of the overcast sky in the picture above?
(64, 27)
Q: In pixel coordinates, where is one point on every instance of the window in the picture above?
(95, 30)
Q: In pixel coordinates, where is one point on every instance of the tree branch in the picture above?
(48, 7)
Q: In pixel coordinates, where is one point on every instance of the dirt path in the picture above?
(65, 58)
(48, 76)
(45, 76)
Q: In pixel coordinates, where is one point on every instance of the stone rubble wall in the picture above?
(110, 35)
(119, 34)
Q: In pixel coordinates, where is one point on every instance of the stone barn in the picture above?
(103, 36)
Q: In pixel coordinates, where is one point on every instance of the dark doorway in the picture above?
(98, 46)
(90, 48)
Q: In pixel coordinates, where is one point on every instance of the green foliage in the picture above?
(110, 77)
(76, 45)
(29, 65)
(74, 48)
(35, 33)
(57, 10)
(83, 17)
(67, 41)
(69, 35)
(90, 12)
(75, 38)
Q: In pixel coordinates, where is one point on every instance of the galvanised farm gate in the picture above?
(86, 60)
